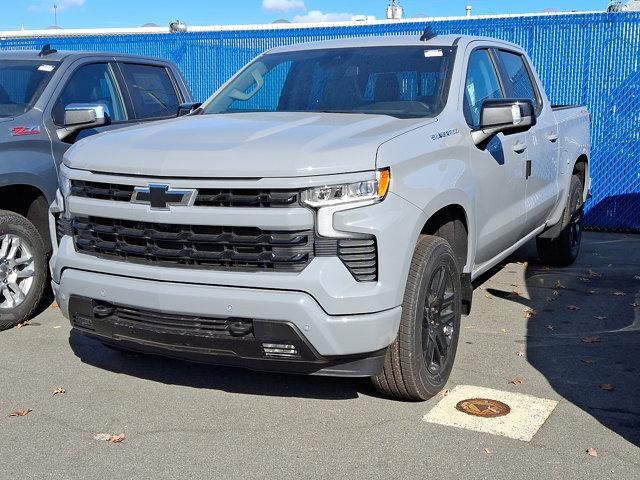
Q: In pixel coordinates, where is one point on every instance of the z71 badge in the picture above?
(20, 131)
(445, 134)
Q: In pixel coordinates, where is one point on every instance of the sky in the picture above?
(36, 14)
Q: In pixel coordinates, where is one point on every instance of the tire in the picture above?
(16, 232)
(563, 250)
(425, 333)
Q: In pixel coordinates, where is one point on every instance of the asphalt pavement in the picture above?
(570, 336)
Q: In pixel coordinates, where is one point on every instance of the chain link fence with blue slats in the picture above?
(591, 59)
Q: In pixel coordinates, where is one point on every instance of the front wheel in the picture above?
(23, 270)
(419, 362)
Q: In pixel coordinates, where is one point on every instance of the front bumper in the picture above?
(346, 345)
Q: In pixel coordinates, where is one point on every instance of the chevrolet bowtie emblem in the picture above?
(161, 196)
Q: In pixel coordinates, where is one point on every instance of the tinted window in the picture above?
(152, 91)
(481, 84)
(93, 84)
(21, 82)
(399, 81)
(518, 81)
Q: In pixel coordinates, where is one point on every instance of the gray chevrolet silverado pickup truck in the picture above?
(325, 211)
(101, 91)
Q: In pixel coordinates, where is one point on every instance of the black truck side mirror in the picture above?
(188, 108)
(504, 115)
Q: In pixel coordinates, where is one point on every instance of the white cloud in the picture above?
(282, 5)
(47, 6)
(317, 16)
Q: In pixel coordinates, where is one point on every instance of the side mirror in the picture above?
(81, 116)
(188, 108)
(504, 115)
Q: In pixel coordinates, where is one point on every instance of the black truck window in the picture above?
(152, 91)
(94, 84)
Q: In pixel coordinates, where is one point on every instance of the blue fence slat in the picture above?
(592, 59)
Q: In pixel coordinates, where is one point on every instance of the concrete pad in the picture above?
(527, 414)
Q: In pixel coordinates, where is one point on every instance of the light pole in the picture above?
(55, 14)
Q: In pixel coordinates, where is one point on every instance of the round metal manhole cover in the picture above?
(482, 407)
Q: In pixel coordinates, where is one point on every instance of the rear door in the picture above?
(541, 170)
(498, 168)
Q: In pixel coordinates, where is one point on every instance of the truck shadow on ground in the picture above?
(584, 333)
(212, 377)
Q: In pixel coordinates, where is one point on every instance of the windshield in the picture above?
(21, 83)
(397, 81)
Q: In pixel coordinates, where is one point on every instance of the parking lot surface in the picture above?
(570, 336)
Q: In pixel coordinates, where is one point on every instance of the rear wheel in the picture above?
(563, 250)
(419, 362)
(23, 271)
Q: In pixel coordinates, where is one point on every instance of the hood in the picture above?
(242, 145)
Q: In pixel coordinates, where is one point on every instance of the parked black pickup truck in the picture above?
(48, 101)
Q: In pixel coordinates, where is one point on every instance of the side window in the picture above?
(152, 92)
(518, 82)
(92, 83)
(481, 84)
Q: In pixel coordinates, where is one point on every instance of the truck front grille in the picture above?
(206, 197)
(194, 246)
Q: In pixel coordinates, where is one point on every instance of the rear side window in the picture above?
(152, 91)
(518, 82)
(481, 84)
(92, 84)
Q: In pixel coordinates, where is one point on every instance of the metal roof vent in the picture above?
(177, 26)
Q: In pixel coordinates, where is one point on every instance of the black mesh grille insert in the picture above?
(194, 246)
(206, 197)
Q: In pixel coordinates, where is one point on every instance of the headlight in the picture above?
(325, 196)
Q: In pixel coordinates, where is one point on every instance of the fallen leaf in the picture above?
(105, 437)
(58, 391)
(23, 324)
(588, 361)
(517, 381)
(584, 279)
(599, 317)
(573, 307)
(592, 452)
(606, 386)
(520, 354)
(503, 330)
(487, 295)
(514, 293)
(593, 274)
(55, 305)
(444, 393)
(529, 313)
(559, 285)
(591, 339)
(550, 327)
(21, 413)
(488, 451)
(619, 294)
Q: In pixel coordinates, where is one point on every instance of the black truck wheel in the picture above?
(563, 250)
(23, 269)
(419, 362)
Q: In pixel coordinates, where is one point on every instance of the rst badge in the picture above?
(22, 130)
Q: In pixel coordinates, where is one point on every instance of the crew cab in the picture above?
(325, 211)
(48, 101)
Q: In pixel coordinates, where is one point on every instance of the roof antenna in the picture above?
(428, 34)
(47, 50)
